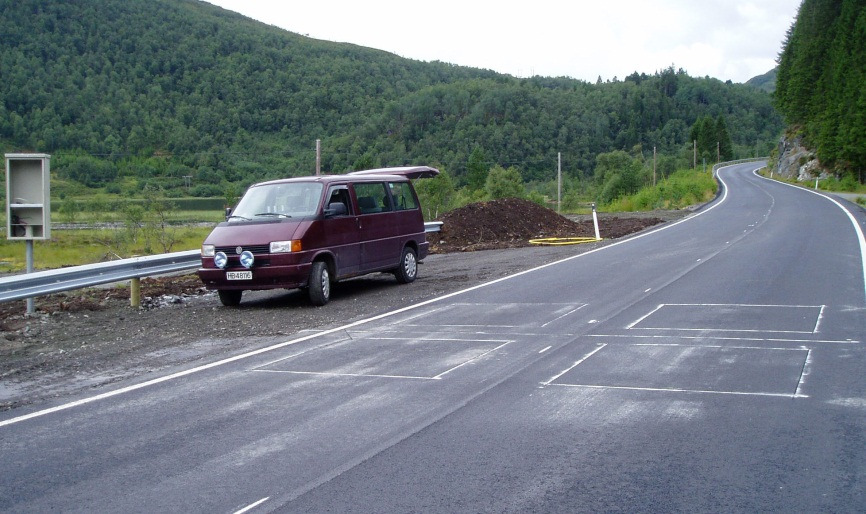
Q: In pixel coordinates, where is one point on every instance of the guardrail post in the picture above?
(135, 292)
(31, 308)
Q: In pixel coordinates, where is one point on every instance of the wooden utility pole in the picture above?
(654, 166)
(695, 154)
(559, 182)
(318, 157)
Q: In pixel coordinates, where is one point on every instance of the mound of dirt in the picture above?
(511, 223)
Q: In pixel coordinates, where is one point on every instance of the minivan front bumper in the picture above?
(265, 277)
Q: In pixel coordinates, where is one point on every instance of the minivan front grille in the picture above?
(255, 249)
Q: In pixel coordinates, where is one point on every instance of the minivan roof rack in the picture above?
(412, 172)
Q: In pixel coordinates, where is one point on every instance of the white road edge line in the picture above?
(142, 385)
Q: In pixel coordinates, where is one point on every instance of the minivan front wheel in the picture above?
(319, 288)
(407, 271)
(230, 298)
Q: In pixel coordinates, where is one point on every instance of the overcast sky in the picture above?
(726, 39)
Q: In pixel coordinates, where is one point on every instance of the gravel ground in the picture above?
(63, 352)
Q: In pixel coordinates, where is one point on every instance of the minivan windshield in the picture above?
(281, 200)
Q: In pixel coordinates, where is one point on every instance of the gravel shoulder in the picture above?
(85, 342)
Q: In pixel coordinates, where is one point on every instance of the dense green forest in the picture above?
(821, 84)
(196, 100)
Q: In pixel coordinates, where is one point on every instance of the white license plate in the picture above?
(239, 275)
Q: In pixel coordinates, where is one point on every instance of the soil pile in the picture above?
(511, 223)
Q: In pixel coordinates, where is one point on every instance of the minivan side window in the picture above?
(339, 194)
(402, 195)
(372, 197)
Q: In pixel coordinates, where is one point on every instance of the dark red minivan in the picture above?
(308, 232)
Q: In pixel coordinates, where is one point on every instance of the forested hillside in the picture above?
(821, 85)
(765, 82)
(125, 93)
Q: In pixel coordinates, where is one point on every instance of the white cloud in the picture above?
(723, 39)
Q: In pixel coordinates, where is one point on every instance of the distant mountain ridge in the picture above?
(765, 82)
(135, 92)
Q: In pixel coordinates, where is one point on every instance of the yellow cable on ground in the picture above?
(561, 241)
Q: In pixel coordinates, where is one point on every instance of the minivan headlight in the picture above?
(247, 259)
(220, 259)
(285, 246)
(208, 250)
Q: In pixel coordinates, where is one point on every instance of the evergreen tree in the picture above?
(820, 84)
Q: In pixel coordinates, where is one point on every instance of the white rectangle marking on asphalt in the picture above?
(645, 316)
(572, 311)
(252, 506)
(440, 375)
(566, 370)
(731, 317)
(695, 391)
(803, 374)
(728, 338)
(739, 370)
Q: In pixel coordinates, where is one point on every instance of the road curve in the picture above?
(715, 364)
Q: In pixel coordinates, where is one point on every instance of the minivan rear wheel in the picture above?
(319, 289)
(407, 271)
(230, 298)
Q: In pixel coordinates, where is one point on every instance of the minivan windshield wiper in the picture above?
(238, 216)
(278, 214)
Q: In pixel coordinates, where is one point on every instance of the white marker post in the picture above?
(595, 223)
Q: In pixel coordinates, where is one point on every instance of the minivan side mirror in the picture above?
(228, 212)
(336, 209)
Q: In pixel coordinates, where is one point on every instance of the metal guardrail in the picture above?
(30, 285)
(740, 161)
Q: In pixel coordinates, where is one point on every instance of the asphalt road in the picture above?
(713, 365)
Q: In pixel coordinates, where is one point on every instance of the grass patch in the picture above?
(87, 246)
(847, 184)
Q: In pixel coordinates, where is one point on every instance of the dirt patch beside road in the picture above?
(86, 340)
(512, 223)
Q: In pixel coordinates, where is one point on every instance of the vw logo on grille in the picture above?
(239, 250)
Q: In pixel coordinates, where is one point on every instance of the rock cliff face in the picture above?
(797, 161)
